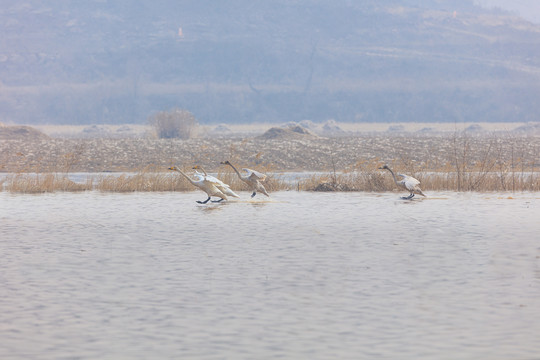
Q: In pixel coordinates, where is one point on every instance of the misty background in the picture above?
(245, 61)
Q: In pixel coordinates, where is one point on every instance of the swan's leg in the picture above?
(254, 193)
(408, 197)
(203, 202)
(216, 201)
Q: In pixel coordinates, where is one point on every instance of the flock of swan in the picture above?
(213, 187)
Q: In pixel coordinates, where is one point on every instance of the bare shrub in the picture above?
(174, 124)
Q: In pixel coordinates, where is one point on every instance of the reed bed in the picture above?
(366, 180)
(44, 183)
(150, 178)
(458, 163)
(153, 178)
(496, 164)
(475, 178)
(440, 181)
(354, 181)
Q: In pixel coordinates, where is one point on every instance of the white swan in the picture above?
(407, 182)
(252, 179)
(224, 188)
(205, 185)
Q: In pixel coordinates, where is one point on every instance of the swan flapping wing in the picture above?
(224, 188)
(227, 191)
(220, 185)
(214, 180)
(254, 174)
(409, 182)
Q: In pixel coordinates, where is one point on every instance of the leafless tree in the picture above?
(177, 123)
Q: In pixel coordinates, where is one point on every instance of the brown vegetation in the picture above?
(310, 154)
(454, 163)
(41, 183)
(148, 179)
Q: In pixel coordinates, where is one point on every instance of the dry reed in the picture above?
(366, 180)
(150, 178)
(499, 165)
(468, 165)
(440, 181)
(44, 182)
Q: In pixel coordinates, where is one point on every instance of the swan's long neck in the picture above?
(239, 175)
(187, 177)
(394, 176)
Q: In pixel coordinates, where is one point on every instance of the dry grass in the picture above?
(371, 180)
(153, 178)
(441, 181)
(488, 175)
(42, 183)
(150, 178)
(458, 163)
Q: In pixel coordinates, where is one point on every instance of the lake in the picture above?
(301, 275)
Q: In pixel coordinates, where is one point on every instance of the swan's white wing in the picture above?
(207, 178)
(208, 187)
(227, 191)
(199, 176)
(409, 182)
(214, 189)
(212, 179)
(254, 174)
(215, 181)
(220, 185)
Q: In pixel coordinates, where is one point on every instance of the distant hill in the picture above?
(20, 132)
(245, 61)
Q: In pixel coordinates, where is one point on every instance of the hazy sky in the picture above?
(529, 9)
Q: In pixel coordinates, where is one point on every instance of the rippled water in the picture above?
(300, 276)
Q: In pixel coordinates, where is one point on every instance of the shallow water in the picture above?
(299, 276)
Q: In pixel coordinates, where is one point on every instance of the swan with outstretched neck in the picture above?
(407, 182)
(209, 187)
(252, 179)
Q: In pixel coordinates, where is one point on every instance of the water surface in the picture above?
(301, 275)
